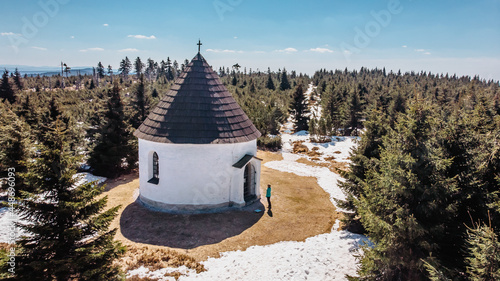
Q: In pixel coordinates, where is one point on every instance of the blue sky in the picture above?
(460, 37)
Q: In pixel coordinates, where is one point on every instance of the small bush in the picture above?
(272, 143)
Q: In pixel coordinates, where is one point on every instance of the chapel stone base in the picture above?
(192, 208)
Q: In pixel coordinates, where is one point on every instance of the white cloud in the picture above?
(321, 50)
(142, 36)
(287, 50)
(420, 50)
(427, 53)
(404, 46)
(72, 37)
(92, 49)
(128, 50)
(235, 37)
(105, 24)
(223, 51)
(39, 48)
(347, 52)
(9, 34)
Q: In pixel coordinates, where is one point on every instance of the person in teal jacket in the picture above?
(268, 196)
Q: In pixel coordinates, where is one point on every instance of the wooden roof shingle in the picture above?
(198, 109)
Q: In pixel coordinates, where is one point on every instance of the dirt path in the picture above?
(300, 209)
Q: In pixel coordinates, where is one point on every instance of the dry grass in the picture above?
(156, 258)
(300, 209)
(330, 163)
(299, 147)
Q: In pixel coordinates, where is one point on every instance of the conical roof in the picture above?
(198, 109)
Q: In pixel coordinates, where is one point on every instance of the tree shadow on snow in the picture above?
(185, 231)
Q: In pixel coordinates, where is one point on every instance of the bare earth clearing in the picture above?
(300, 209)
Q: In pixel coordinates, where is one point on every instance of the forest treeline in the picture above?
(423, 183)
(424, 180)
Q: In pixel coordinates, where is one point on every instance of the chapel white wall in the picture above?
(196, 174)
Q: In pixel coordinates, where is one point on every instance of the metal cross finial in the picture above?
(199, 45)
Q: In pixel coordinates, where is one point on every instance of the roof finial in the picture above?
(199, 45)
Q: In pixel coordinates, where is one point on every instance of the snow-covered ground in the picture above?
(328, 256)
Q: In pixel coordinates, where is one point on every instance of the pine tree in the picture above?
(114, 143)
(284, 84)
(407, 204)
(69, 231)
(298, 109)
(270, 83)
(6, 92)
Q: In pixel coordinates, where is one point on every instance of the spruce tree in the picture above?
(69, 236)
(100, 70)
(6, 91)
(284, 84)
(140, 104)
(407, 203)
(14, 141)
(125, 66)
(270, 83)
(483, 261)
(138, 66)
(364, 159)
(17, 79)
(354, 115)
(298, 109)
(114, 142)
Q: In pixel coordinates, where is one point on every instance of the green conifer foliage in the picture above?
(115, 143)
(298, 109)
(407, 202)
(69, 236)
(483, 262)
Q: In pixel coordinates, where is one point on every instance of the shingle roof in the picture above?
(197, 109)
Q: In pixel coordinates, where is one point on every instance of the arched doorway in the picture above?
(249, 183)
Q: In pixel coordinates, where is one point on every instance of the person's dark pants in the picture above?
(269, 202)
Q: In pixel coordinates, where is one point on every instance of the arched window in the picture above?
(156, 169)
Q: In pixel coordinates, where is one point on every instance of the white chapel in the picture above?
(197, 148)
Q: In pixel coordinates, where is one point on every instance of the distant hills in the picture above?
(45, 70)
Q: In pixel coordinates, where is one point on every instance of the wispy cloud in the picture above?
(105, 24)
(404, 46)
(138, 36)
(96, 49)
(287, 50)
(321, 50)
(223, 51)
(9, 34)
(423, 51)
(72, 37)
(39, 48)
(128, 50)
